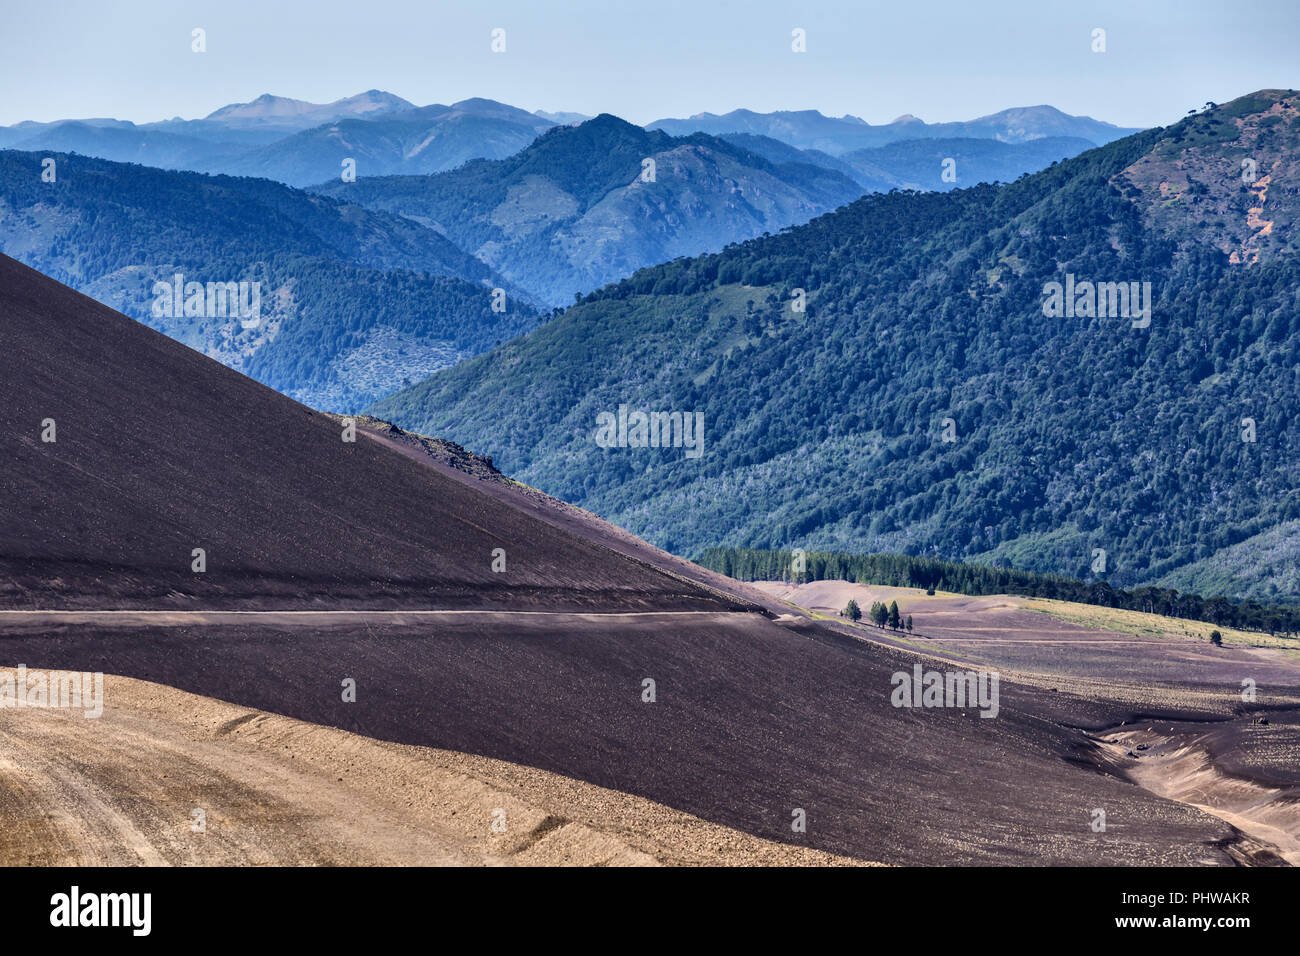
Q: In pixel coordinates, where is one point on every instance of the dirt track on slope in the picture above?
(13, 622)
(121, 790)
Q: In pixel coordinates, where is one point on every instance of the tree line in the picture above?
(932, 574)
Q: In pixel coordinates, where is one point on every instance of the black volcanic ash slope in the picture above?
(751, 721)
(159, 451)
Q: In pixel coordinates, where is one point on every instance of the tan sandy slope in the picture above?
(123, 788)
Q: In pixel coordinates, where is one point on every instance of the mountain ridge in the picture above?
(303, 143)
(281, 110)
(810, 129)
(585, 205)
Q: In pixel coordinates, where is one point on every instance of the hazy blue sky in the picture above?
(938, 59)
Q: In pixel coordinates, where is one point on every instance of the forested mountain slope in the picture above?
(352, 302)
(587, 205)
(932, 398)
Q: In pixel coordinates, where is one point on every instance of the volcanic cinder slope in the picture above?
(158, 453)
(757, 719)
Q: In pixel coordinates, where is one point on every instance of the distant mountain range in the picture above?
(543, 205)
(927, 164)
(305, 144)
(299, 143)
(933, 395)
(563, 215)
(426, 140)
(809, 129)
(563, 118)
(582, 206)
(352, 302)
(281, 112)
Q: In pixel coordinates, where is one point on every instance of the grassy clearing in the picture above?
(1142, 624)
